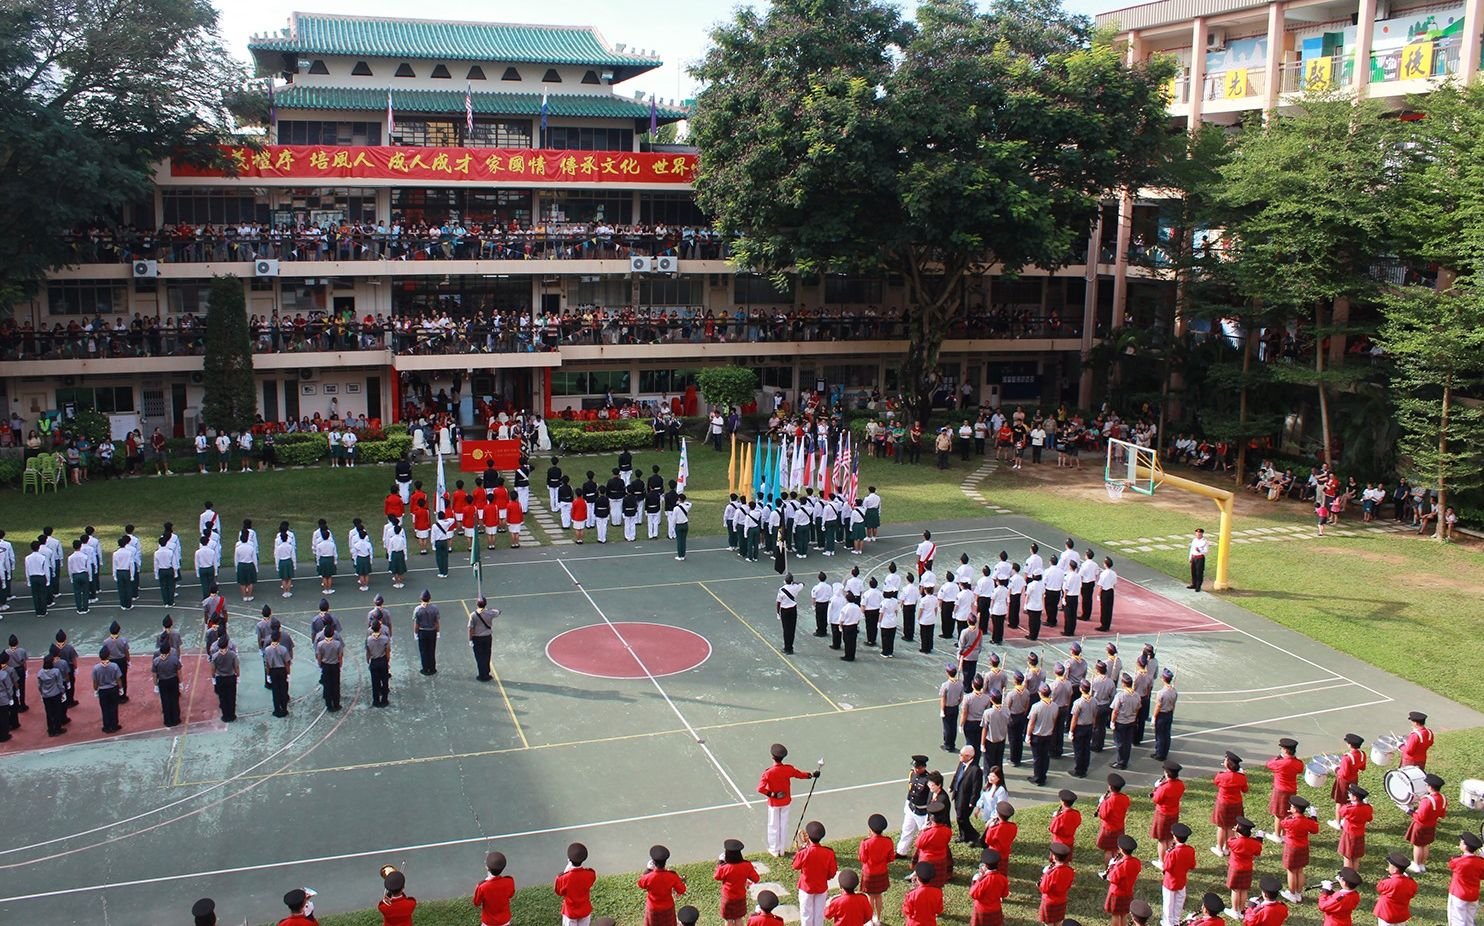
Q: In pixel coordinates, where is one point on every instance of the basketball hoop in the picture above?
(1115, 488)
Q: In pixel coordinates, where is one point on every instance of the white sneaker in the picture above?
(1291, 897)
(1416, 869)
(1273, 837)
(1157, 863)
(1216, 851)
(1334, 824)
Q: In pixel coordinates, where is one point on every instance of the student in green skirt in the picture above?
(857, 528)
(326, 554)
(245, 557)
(394, 541)
(167, 566)
(360, 554)
(207, 558)
(443, 528)
(285, 552)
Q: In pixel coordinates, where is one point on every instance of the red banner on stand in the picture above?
(473, 454)
(476, 165)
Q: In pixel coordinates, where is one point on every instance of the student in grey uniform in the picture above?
(1076, 665)
(971, 714)
(996, 732)
(1062, 693)
(66, 655)
(1103, 690)
(425, 626)
(1164, 714)
(8, 717)
(1144, 688)
(118, 651)
(277, 660)
(106, 677)
(18, 660)
(52, 686)
(481, 637)
(1017, 707)
(1125, 716)
(1040, 726)
(1084, 717)
(225, 668)
(379, 663)
(950, 696)
(329, 653)
(166, 669)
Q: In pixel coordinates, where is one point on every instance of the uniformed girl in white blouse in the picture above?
(245, 558)
(325, 556)
(359, 543)
(285, 552)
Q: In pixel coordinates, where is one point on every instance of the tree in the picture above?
(93, 94)
(230, 403)
(727, 385)
(1310, 198)
(834, 136)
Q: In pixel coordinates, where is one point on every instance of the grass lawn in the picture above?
(1455, 756)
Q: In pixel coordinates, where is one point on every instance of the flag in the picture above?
(468, 108)
(654, 119)
(757, 466)
(682, 475)
(796, 466)
(808, 470)
(545, 111)
(440, 489)
(780, 478)
(272, 107)
(391, 120)
(853, 480)
(843, 464)
(744, 472)
(732, 467)
(824, 472)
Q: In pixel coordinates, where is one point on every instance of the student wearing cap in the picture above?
(481, 637)
(1414, 748)
(1212, 907)
(735, 873)
(914, 811)
(1177, 862)
(301, 911)
(988, 890)
(924, 900)
(1168, 792)
(1242, 850)
(1355, 815)
(166, 669)
(1463, 888)
(933, 843)
(848, 908)
(1394, 892)
(1164, 714)
(1199, 547)
(1041, 728)
(395, 906)
(1347, 772)
(1125, 707)
(1338, 902)
(767, 901)
(106, 678)
(1140, 912)
(492, 895)
(1231, 784)
(875, 853)
(776, 784)
(996, 729)
(278, 660)
(1423, 829)
(1285, 768)
(1055, 884)
(574, 885)
(203, 912)
(1083, 718)
(1066, 821)
(1063, 691)
(425, 627)
(1122, 874)
(1112, 814)
(378, 648)
(1296, 828)
(1270, 910)
(816, 865)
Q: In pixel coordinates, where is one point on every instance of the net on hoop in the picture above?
(1115, 488)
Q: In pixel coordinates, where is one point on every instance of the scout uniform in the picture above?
(225, 668)
(277, 660)
(378, 649)
(425, 626)
(481, 638)
(106, 678)
(166, 669)
(682, 525)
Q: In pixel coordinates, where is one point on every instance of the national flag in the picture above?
(824, 472)
(468, 108)
(682, 475)
(272, 107)
(440, 488)
(808, 480)
(545, 111)
(853, 482)
(654, 118)
(796, 468)
(391, 120)
(732, 466)
(844, 464)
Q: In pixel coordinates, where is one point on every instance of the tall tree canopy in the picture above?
(835, 136)
(93, 93)
(231, 401)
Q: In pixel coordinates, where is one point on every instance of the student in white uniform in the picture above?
(285, 553)
(166, 563)
(359, 544)
(206, 563)
(394, 542)
(7, 571)
(326, 555)
(245, 559)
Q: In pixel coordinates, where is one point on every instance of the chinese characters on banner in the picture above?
(477, 165)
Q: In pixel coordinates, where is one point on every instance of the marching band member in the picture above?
(1296, 828)
(1270, 911)
(1065, 821)
(1463, 887)
(1168, 792)
(1354, 817)
(1112, 812)
(1286, 768)
(1424, 826)
(988, 891)
(1242, 850)
(1231, 784)
(1418, 742)
(1177, 863)
(1121, 874)
(1347, 773)
(1055, 884)
(1339, 905)
(1394, 893)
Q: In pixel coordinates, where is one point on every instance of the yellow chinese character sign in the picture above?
(1417, 61)
(1319, 74)
(1234, 84)
(479, 165)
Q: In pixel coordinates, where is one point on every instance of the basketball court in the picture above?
(634, 702)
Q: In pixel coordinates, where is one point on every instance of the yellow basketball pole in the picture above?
(1225, 503)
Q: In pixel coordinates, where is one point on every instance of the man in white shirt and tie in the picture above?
(1107, 582)
(1198, 548)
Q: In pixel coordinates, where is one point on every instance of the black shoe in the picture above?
(788, 652)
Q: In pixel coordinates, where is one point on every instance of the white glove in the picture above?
(1327, 885)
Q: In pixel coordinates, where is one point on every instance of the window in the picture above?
(461, 296)
(193, 296)
(362, 69)
(405, 70)
(318, 204)
(475, 73)
(853, 375)
(757, 289)
(110, 400)
(551, 77)
(317, 132)
(667, 291)
(295, 298)
(424, 133)
(589, 138)
(568, 382)
(86, 297)
(318, 67)
(670, 208)
(776, 378)
(510, 74)
(595, 382)
(591, 77)
(440, 71)
(215, 207)
(439, 204)
(839, 288)
(576, 206)
(499, 133)
(602, 291)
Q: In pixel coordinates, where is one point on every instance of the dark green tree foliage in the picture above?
(834, 136)
(94, 93)
(231, 394)
(727, 385)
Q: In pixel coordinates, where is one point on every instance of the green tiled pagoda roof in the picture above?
(371, 37)
(371, 99)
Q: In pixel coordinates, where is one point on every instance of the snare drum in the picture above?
(1316, 771)
(1382, 749)
(1405, 785)
(1471, 794)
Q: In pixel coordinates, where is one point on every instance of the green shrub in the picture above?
(571, 440)
(384, 451)
(10, 471)
(395, 429)
(301, 449)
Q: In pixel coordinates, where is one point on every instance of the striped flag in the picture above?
(853, 480)
(825, 485)
(545, 111)
(468, 108)
(682, 476)
(391, 120)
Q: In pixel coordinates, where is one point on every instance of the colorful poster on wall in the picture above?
(1235, 85)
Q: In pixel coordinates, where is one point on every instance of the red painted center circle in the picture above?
(628, 649)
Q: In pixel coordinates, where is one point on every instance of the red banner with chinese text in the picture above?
(473, 454)
(476, 165)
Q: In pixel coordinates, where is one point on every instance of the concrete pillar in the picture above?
(1468, 53)
(1089, 313)
(1197, 71)
(1365, 32)
(1120, 258)
(1274, 84)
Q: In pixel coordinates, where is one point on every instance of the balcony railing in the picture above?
(1236, 83)
(1416, 61)
(1317, 74)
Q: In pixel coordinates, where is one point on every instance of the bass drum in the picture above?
(1406, 785)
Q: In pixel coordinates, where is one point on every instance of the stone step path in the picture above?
(1260, 535)
(549, 521)
(970, 486)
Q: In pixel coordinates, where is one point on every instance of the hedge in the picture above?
(10, 471)
(384, 451)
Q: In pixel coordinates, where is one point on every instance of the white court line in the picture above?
(1254, 723)
(1269, 697)
(1317, 681)
(700, 741)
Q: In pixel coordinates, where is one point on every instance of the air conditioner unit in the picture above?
(264, 267)
(667, 264)
(1215, 39)
(146, 269)
(306, 373)
(641, 264)
(197, 378)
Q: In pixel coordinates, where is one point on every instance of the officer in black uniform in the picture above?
(654, 504)
(614, 489)
(655, 480)
(625, 465)
(914, 813)
(590, 495)
(553, 482)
